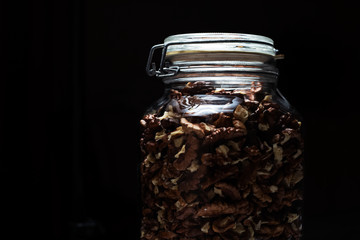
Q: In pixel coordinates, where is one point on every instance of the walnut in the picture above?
(178, 141)
(158, 155)
(297, 177)
(147, 235)
(223, 121)
(246, 192)
(151, 122)
(252, 151)
(285, 135)
(167, 235)
(220, 174)
(151, 147)
(222, 225)
(149, 160)
(223, 150)
(208, 128)
(292, 217)
(241, 113)
(288, 120)
(292, 179)
(234, 145)
(239, 160)
(263, 127)
(223, 134)
(297, 154)
(228, 190)
(189, 127)
(239, 228)
(185, 213)
(210, 194)
(192, 145)
(267, 98)
(208, 159)
(179, 131)
(258, 225)
(143, 123)
(278, 153)
(239, 124)
(160, 135)
(182, 151)
(251, 231)
(170, 124)
(216, 209)
(271, 114)
(169, 114)
(192, 180)
(273, 188)
(218, 192)
(259, 193)
(190, 223)
(190, 197)
(292, 230)
(156, 190)
(193, 232)
(180, 204)
(272, 231)
(160, 217)
(205, 228)
(266, 147)
(155, 167)
(189, 183)
(194, 166)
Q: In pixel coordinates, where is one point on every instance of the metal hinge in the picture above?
(163, 71)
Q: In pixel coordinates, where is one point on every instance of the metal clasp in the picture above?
(162, 71)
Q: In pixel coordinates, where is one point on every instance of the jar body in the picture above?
(222, 159)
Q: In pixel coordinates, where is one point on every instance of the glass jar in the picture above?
(222, 149)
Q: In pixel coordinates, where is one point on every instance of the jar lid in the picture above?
(219, 42)
(207, 43)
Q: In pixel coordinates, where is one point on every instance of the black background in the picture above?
(73, 89)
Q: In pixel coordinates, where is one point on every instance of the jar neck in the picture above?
(223, 71)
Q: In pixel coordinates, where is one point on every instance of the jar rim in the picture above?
(219, 42)
(187, 37)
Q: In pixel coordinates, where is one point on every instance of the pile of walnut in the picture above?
(235, 176)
